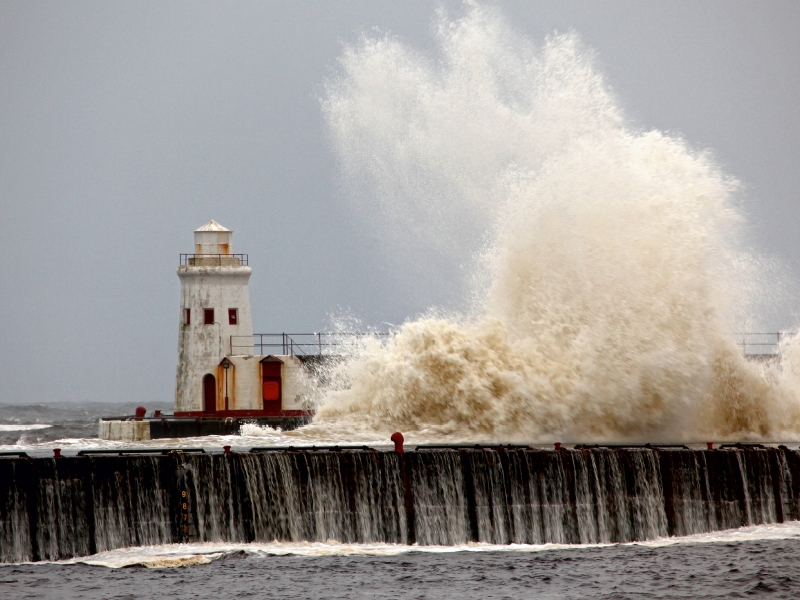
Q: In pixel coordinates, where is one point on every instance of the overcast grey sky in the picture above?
(125, 126)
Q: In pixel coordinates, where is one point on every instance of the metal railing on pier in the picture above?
(338, 343)
(761, 344)
(299, 344)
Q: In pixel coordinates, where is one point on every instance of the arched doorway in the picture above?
(209, 393)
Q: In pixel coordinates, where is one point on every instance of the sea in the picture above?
(756, 562)
(746, 562)
(42, 425)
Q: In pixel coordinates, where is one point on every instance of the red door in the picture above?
(209, 394)
(271, 386)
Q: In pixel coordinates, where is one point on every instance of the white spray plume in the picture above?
(606, 262)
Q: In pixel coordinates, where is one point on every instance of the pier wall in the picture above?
(58, 508)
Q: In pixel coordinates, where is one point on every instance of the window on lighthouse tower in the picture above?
(233, 316)
(208, 316)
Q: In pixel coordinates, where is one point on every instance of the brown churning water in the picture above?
(605, 264)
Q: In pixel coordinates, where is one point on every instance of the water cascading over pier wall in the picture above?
(59, 508)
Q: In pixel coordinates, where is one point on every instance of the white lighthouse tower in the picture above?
(215, 305)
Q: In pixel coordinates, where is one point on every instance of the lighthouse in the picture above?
(220, 376)
(221, 382)
(214, 309)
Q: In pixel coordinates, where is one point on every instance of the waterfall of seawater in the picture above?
(60, 508)
(605, 265)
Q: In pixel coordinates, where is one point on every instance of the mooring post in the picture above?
(398, 439)
(710, 445)
(408, 493)
(56, 452)
(227, 449)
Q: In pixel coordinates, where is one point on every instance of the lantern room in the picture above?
(213, 239)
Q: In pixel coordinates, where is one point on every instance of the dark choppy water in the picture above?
(758, 568)
(23, 425)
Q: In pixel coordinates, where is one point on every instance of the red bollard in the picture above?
(141, 411)
(397, 438)
(157, 413)
(227, 449)
(56, 452)
(710, 445)
(558, 445)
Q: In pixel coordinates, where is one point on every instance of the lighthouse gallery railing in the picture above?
(214, 260)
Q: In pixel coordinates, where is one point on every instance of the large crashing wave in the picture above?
(606, 266)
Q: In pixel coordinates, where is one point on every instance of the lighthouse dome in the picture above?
(213, 238)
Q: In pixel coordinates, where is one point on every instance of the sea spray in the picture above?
(606, 262)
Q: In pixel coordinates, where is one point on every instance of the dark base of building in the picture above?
(200, 426)
(183, 427)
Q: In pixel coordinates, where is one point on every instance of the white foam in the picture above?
(775, 531)
(180, 555)
(23, 427)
